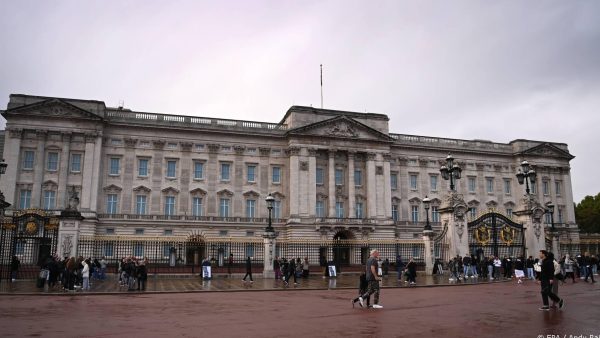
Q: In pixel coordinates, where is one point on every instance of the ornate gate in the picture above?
(495, 234)
(30, 236)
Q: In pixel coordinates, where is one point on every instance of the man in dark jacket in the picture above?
(588, 262)
(546, 280)
(248, 270)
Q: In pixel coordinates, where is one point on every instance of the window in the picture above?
(250, 234)
(170, 205)
(171, 168)
(395, 215)
(414, 213)
(489, 184)
(138, 250)
(197, 206)
(225, 171)
(357, 178)
(111, 204)
(359, 210)
(25, 199)
(339, 177)
(546, 187)
(251, 173)
(49, 199)
(110, 231)
(320, 209)
(433, 180)
(471, 184)
(560, 215)
(339, 209)
(171, 145)
(276, 176)
(534, 188)
(115, 164)
(199, 147)
(509, 212)
(557, 187)
(222, 232)
(168, 232)
(507, 187)
(139, 231)
(140, 204)
(276, 209)
(394, 181)
(413, 181)
(250, 208)
(75, 163)
(52, 161)
(320, 176)
(198, 170)
(28, 159)
(108, 249)
(224, 207)
(547, 218)
(473, 212)
(435, 214)
(143, 167)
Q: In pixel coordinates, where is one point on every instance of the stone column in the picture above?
(387, 187)
(69, 228)
(270, 242)
(40, 168)
(129, 163)
(88, 166)
(331, 192)
(452, 213)
(157, 176)
(312, 181)
(351, 186)
(530, 213)
(429, 254)
(61, 200)
(12, 149)
(96, 173)
(371, 186)
(293, 177)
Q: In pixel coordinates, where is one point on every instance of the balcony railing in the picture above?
(335, 220)
(450, 143)
(259, 220)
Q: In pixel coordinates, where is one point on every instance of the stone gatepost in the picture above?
(452, 213)
(530, 213)
(429, 259)
(68, 230)
(270, 242)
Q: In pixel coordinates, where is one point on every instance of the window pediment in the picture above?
(198, 191)
(251, 194)
(142, 188)
(225, 193)
(170, 190)
(112, 189)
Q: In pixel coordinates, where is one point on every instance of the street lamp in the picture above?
(526, 174)
(3, 166)
(270, 199)
(426, 203)
(450, 171)
(550, 210)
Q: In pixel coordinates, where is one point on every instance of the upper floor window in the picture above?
(507, 189)
(28, 156)
(339, 177)
(320, 209)
(560, 215)
(49, 199)
(471, 184)
(250, 208)
(394, 181)
(139, 231)
(489, 183)
(276, 175)
(557, 187)
(25, 199)
(198, 170)
(357, 177)
(414, 213)
(473, 212)
(197, 206)
(224, 207)
(75, 163)
(225, 167)
(171, 145)
(533, 188)
(395, 215)
(276, 209)
(170, 205)
(111, 203)
(171, 168)
(339, 209)
(413, 178)
(251, 173)
(509, 212)
(168, 232)
(433, 180)
(52, 163)
(115, 166)
(110, 231)
(359, 210)
(320, 176)
(143, 167)
(140, 204)
(435, 214)
(546, 187)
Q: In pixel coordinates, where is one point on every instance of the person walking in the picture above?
(248, 270)
(569, 271)
(412, 271)
(362, 288)
(142, 273)
(519, 270)
(85, 274)
(529, 265)
(230, 263)
(14, 268)
(587, 263)
(291, 271)
(305, 268)
(277, 268)
(373, 280)
(399, 267)
(546, 279)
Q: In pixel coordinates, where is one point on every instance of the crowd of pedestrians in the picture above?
(293, 268)
(71, 273)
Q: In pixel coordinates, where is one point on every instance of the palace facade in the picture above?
(333, 174)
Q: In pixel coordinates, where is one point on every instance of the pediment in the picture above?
(53, 108)
(547, 150)
(341, 127)
(251, 194)
(170, 190)
(278, 195)
(142, 188)
(225, 192)
(198, 191)
(112, 188)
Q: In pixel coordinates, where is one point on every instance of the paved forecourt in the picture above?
(483, 310)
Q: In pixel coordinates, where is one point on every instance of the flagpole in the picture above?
(321, 86)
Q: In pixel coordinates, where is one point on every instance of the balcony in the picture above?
(187, 218)
(347, 221)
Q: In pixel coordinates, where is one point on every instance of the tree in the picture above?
(587, 214)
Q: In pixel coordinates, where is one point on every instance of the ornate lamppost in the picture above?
(525, 174)
(426, 204)
(270, 200)
(428, 239)
(450, 171)
(553, 232)
(269, 237)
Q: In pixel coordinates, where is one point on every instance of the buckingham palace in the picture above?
(333, 174)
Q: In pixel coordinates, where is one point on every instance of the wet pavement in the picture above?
(481, 310)
(190, 283)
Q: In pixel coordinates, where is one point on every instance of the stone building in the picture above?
(334, 174)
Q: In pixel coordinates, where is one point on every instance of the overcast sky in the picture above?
(496, 70)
